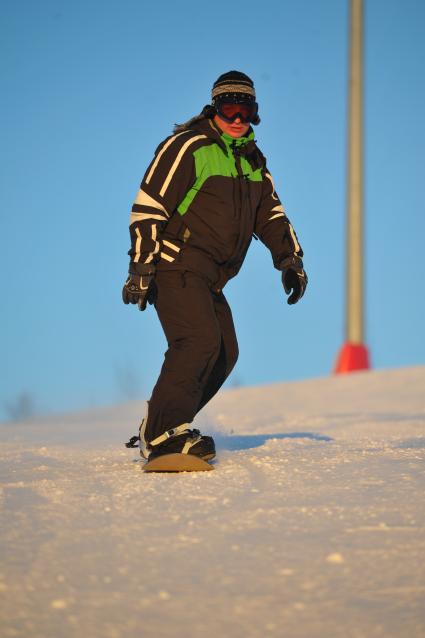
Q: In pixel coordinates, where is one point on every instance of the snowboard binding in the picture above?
(176, 450)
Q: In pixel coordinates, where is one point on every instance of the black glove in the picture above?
(294, 278)
(140, 286)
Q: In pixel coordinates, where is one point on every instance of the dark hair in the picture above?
(207, 112)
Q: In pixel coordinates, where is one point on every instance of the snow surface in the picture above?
(312, 524)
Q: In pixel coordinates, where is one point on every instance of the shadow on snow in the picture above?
(233, 442)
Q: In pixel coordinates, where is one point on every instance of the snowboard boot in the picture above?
(181, 440)
(178, 440)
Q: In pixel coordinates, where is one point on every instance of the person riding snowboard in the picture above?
(206, 193)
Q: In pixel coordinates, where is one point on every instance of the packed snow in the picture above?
(312, 524)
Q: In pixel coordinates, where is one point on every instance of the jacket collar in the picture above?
(246, 145)
(208, 127)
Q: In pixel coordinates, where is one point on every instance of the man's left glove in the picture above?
(294, 278)
(140, 286)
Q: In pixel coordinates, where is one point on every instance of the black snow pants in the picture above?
(202, 349)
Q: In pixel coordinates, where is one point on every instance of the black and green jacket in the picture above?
(203, 197)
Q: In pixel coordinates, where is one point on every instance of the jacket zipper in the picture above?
(244, 237)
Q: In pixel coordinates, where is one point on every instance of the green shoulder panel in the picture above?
(211, 161)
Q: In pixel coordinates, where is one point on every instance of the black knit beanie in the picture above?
(233, 83)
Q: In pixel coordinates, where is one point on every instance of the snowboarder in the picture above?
(206, 193)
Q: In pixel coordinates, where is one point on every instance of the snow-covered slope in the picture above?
(312, 524)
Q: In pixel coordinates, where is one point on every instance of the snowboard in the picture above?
(177, 463)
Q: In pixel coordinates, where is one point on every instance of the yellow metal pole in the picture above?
(354, 354)
(354, 290)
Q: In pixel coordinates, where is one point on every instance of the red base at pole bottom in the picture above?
(352, 357)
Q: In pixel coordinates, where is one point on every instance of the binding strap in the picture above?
(166, 435)
(191, 442)
(135, 441)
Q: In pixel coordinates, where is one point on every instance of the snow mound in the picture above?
(312, 524)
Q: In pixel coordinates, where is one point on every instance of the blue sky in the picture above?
(88, 92)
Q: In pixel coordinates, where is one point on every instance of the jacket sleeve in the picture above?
(273, 226)
(165, 183)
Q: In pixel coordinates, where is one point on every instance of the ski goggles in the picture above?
(229, 111)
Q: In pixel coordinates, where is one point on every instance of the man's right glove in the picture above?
(140, 286)
(294, 278)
